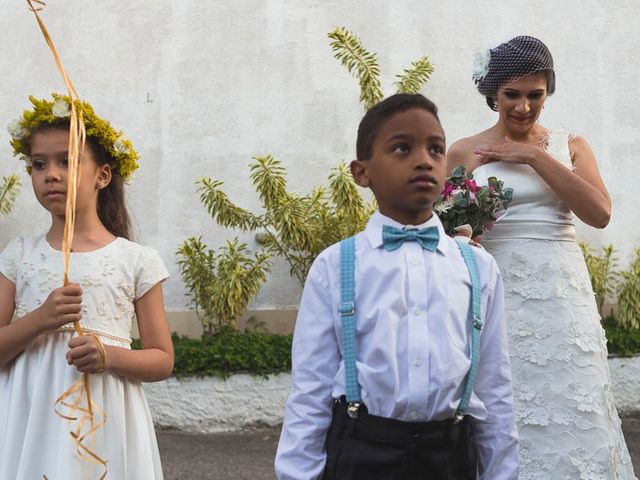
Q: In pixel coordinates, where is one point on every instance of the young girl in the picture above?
(113, 281)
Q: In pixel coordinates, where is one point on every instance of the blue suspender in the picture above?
(347, 311)
(347, 315)
(476, 326)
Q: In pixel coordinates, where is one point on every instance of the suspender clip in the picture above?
(352, 409)
(457, 417)
(347, 309)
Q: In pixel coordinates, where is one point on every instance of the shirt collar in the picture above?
(373, 230)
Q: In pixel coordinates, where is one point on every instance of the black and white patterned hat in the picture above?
(510, 61)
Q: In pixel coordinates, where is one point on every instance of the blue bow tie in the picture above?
(393, 237)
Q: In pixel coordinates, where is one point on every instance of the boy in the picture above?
(407, 404)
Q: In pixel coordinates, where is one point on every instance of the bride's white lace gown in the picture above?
(567, 420)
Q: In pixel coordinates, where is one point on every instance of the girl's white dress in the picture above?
(567, 419)
(34, 441)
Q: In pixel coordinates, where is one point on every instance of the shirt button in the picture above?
(416, 311)
(417, 362)
(413, 416)
(415, 262)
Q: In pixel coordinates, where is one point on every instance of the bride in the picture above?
(567, 420)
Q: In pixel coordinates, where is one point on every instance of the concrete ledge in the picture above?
(625, 386)
(280, 321)
(209, 405)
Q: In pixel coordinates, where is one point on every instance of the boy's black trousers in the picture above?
(378, 448)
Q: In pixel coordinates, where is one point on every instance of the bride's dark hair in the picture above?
(512, 60)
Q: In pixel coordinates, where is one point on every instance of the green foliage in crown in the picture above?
(58, 111)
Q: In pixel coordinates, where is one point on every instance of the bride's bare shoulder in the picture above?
(461, 152)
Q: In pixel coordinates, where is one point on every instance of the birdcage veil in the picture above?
(510, 61)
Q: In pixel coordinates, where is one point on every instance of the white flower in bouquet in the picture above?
(61, 108)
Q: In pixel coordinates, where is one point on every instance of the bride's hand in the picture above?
(509, 151)
(464, 232)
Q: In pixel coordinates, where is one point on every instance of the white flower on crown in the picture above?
(61, 108)
(480, 65)
(17, 131)
(120, 146)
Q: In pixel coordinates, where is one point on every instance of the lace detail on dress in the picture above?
(568, 423)
(110, 278)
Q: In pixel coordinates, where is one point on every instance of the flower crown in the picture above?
(58, 110)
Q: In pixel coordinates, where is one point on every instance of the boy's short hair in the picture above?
(381, 112)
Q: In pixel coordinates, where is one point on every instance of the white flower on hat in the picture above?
(120, 146)
(16, 130)
(480, 65)
(61, 108)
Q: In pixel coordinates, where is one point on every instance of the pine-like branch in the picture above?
(223, 211)
(414, 78)
(8, 193)
(269, 177)
(348, 48)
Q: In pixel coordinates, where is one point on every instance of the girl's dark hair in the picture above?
(378, 115)
(112, 209)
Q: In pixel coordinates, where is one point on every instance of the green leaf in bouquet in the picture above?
(484, 194)
(508, 195)
(459, 171)
(495, 183)
(461, 200)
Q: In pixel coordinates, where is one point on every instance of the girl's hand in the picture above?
(85, 353)
(63, 306)
(509, 151)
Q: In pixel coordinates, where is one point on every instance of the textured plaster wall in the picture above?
(201, 87)
(209, 405)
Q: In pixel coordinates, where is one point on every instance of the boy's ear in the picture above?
(360, 172)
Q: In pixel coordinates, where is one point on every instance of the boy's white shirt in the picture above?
(412, 349)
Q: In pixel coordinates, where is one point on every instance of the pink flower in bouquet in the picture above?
(448, 188)
(471, 185)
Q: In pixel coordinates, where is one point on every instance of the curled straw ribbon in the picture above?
(85, 415)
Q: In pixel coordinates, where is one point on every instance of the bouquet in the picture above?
(463, 202)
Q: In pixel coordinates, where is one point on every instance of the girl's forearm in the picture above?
(147, 365)
(16, 336)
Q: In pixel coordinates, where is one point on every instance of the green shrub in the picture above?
(620, 340)
(221, 283)
(229, 351)
(295, 227)
(629, 295)
(602, 272)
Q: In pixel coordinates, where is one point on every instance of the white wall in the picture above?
(201, 87)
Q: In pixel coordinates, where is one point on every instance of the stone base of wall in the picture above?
(209, 405)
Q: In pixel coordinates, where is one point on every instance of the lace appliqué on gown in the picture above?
(568, 423)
